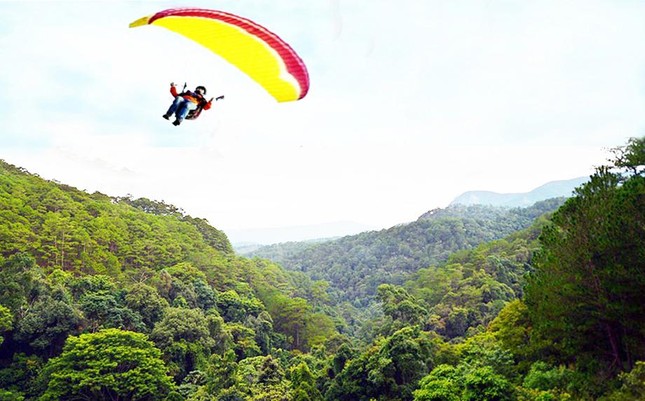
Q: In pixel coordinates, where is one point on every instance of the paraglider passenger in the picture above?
(185, 102)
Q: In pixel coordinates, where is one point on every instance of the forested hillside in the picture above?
(73, 263)
(551, 313)
(107, 298)
(355, 265)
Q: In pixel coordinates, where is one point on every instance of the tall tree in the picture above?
(47, 324)
(6, 322)
(290, 317)
(184, 336)
(389, 369)
(587, 296)
(108, 365)
(145, 300)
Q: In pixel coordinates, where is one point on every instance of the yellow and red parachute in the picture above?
(255, 50)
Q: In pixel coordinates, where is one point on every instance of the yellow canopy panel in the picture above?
(255, 50)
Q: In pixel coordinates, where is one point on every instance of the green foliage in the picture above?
(356, 265)
(290, 317)
(483, 350)
(262, 325)
(186, 283)
(221, 372)
(586, 298)
(21, 376)
(389, 369)
(72, 263)
(104, 310)
(253, 378)
(146, 301)
(544, 377)
(319, 329)
(630, 157)
(431, 310)
(235, 308)
(70, 229)
(212, 236)
(512, 328)
(46, 325)
(184, 337)
(16, 281)
(80, 286)
(400, 308)
(6, 321)
(303, 384)
(6, 395)
(107, 365)
(440, 385)
(632, 385)
(243, 339)
(464, 295)
(483, 384)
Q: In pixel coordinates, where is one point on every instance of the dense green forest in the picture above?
(356, 265)
(106, 298)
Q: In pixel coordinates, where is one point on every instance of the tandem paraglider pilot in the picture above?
(188, 104)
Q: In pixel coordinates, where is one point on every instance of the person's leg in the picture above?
(183, 110)
(173, 107)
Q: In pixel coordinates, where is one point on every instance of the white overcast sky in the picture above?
(412, 103)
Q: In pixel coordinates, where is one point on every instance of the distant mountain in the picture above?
(549, 190)
(249, 240)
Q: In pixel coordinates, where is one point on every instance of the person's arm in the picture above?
(208, 104)
(173, 89)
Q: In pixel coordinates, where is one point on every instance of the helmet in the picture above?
(202, 88)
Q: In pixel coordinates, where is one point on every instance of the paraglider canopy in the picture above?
(255, 50)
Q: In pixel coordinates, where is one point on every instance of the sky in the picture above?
(411, 103)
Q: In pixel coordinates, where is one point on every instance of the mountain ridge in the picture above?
(249, 240)
(552, 189)
(261, 236)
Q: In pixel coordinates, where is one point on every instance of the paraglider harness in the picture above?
(193, 114)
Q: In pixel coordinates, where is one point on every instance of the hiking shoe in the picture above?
(166, 116)
(176, 122)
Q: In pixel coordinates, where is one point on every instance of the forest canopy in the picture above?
(117, 298)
